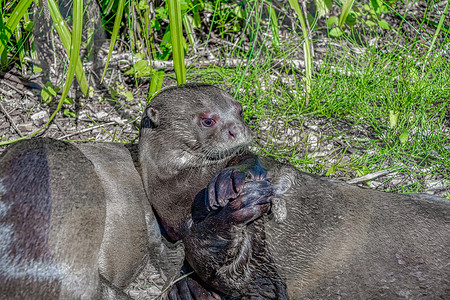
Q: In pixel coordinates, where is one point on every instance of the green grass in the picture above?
(349, 115)
(360, 91)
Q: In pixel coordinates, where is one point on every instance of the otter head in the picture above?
(192, 125)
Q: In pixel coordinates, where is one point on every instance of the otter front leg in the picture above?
(226, 247)
(220, 247)
(226, 185)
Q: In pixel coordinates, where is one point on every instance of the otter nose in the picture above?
(234, 130)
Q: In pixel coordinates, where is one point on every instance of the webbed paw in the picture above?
(228, 183)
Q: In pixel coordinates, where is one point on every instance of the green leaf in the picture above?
(383, 24)
(53, 91)
(155, 84)
(346, 8)
(143, 5)
(28, 26)
(375, 6)
(74, 57)
(141, 69)
(275, 28)
(46, 97)
(351, 19)
(69, 113)
(128, 95)
(183, 6)
(336, 32)
(49, 92)
(306, 46)
(161, 13)
(363, 171)
(404, 137)
(188, 28)
(393, 118)
(155, 24)
(36, 69)
(68, 100)
(322, 7)
(8, 28)
(370, 23)
(331, 21)
(331, 170)
(112, 92)
(197, 18)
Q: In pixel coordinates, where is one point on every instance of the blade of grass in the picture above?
(189, 30)
(148, 33)
(348, 4)
(176, 36)
(19, 38)
(10, 26)
(117, 21)
(64, 34)
(306, 48)
(275, 29)
(252, 50)
(438, 29)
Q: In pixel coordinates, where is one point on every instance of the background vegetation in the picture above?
(339, 88)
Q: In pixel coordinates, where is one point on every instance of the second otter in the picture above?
(328, 239)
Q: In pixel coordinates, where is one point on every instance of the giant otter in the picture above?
(325, 238)
(207, 131)
(332, 240)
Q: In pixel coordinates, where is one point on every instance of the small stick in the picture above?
(8, 117)
(370, 176)
(59, 126)
(13, 87)
(85, 130)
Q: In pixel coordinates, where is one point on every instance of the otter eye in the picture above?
(207, 122)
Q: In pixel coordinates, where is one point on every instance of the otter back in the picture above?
(75, 222)
(44, 217)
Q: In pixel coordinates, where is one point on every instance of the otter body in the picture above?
(323, 239)
(207, 132)
(75, 221)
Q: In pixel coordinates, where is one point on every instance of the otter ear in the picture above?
(150, 118)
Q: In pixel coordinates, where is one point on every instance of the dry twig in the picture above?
(11, 121)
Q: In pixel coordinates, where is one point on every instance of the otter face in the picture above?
(218, 127)
(194, 123)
